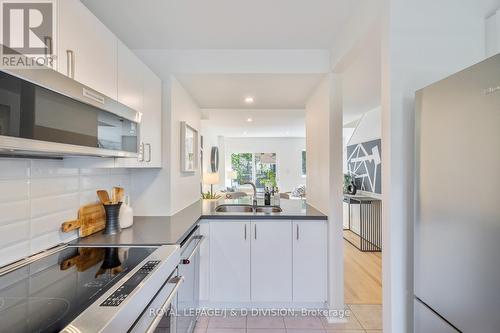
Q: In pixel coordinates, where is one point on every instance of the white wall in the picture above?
(185, 187)
(36, 196)
(163, 192)
(423, 41)
(288, 156)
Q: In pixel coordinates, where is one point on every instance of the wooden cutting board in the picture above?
(91, 219)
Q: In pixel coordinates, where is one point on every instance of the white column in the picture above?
(335, 214)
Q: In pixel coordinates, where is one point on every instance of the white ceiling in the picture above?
(226, 24)
(270, 91)
(265, 123)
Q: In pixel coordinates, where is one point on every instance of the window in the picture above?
(304, 170)
(259, 168)
(265, 170)
(242, 163)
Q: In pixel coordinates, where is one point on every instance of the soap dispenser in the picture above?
(126, 214)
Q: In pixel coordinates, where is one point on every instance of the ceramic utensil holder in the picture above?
(112, 219)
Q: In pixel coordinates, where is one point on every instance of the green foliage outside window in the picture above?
(259, 168)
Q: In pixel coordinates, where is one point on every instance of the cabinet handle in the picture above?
(297, 232)
(245, 231)
(149, 152)
(255, 229)
(70, 63)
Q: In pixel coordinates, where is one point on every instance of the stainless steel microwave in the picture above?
(43, 112)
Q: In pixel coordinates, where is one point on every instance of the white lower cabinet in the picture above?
(271, 261)
(265, 262)
(309, 261)
(230, 261)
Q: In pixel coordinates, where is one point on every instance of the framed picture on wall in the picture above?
(189, 148)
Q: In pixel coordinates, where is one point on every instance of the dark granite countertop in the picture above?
(163, 230)
(292, 210)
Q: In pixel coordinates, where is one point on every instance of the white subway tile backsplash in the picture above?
(54, 204)
(42, 242)
(88, 197)
(14, 190)
(94, 182)
(14, 233)
(51, 168)
(36, 196)
(11, 168)
(120, 180)
(41, 187)
(49, 223)
(94, 172)
(14, 211)
(14, 252)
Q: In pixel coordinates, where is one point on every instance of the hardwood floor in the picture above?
(362, 276)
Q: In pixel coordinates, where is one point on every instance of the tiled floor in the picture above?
(363, 319)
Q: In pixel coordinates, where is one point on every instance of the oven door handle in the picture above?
(187, 260)
(156, 321)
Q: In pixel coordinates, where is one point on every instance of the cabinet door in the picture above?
(92, 47)
(230, 261)
(271, 258)
(130, 78)
(151, 124)
(309, 261)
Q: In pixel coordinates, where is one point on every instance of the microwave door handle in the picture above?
(188, 259)
(159, 314)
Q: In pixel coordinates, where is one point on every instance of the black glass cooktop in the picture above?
(49, 293)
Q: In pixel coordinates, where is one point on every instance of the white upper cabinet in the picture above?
(91, 54)
(140, 89)
(130, 78)
(152, 120)
(309, 261)
(271, 261)
(87, 50)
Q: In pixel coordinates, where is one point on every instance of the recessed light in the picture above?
(249, 120)
(249, 100)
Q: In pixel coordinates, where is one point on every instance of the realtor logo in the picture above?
(28, 31)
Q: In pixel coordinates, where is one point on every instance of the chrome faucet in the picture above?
(254, 202)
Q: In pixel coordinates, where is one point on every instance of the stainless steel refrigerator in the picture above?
(457, 225)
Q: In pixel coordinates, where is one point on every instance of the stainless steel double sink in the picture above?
(247, 209)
